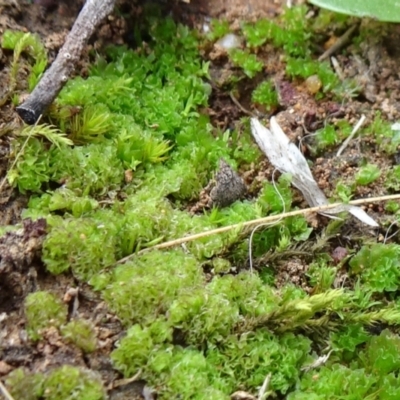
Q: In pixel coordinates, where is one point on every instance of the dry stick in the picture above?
(264, 387)
(92, 13)
(4, 391)
(236, 101)
(123, 382)
(177, 242)
(338, 69)
(338, 44)
(350, 137)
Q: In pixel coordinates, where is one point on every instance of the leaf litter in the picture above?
(287, 158)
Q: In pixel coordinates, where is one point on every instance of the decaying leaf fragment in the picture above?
(287, 158)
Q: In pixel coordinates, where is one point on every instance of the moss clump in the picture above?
(81, 333)
(377, 266)
(252, 297)
(25, 385)
(368, 174)
(32, 170)
(387, 136)
(200, 377)
(84, 244)
(291, 32)
(304, 68)
(237, 362)
(265, 95)
(247, 61)
(337, 381)
(203, 316)
(392, 179)
(68, 383)
(247, 360)
(141, 290)
(31, 44)
(141, 346)
(42, 310)
(63, 383)
(381, 353)
(374, 371)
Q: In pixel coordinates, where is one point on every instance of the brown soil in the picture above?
(299, 114)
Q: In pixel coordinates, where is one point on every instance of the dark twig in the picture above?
(92, 13)
(338, 44)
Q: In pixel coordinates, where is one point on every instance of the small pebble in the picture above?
(229, 41)
(313, 84)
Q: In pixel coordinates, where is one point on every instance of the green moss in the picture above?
(321, 275)
(390, 387)
(85, 245)
(245, 361)
(81, 333)
(63, 383)
(241, 362)
(392, 179)
(380, 356)
(25, 385)
(68, 383)
(290, 32)
(344, 191)
(144, 288)
(89, 124)
(377, 266)
(368, 174)
(252, 297)
(294, 35)
(328, 19)
(42, 310)
(203, 316)
(218, 29)
(276, 198)
(198, 383)
(258, 33)
(25, 42)
(33, 169)
(141, 347)
(265, 95)
(72, 201)
(347, 341)
(304, 68)
(326, 136)
(337, 381)
(247, 61)
(373, 373)
(220, 265)
(138, 147)
(392, 207)
(93, 170)
(388, 139)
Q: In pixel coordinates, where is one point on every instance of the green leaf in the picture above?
(388, 10)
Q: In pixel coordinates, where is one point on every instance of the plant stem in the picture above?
(264, 220)
(338, 44)
(92, 13)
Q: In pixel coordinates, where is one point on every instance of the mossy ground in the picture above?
(141, 136)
